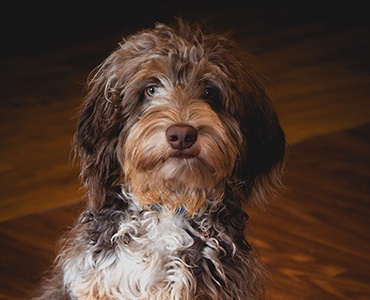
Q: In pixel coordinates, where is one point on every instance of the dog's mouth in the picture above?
(185, 154)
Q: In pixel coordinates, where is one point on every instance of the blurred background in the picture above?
(314, 56)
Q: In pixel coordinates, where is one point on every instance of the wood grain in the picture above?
(315, 240)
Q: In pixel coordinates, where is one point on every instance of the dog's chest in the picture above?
(150, 239)
(144, 260)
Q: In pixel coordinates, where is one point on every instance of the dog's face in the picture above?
(182, 148)
(172, 116)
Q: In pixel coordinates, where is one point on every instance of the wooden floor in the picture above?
(315, 239)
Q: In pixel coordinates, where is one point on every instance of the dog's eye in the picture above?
(151, 90)
(211, 94)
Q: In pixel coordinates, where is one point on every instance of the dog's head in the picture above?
(172, 116)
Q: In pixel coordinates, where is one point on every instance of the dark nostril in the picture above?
(181, 136)
(172, 138)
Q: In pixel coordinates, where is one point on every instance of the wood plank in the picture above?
(27, 250)
(315, 240)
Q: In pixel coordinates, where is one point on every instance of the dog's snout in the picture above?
(181, 136)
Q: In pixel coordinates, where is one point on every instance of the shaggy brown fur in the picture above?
(176, 134)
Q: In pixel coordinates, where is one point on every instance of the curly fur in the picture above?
(166, 223)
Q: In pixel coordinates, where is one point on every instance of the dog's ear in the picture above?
(112, 104)
(95, 140)
(262, 161)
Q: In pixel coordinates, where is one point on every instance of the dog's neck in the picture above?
(157, 207)
(211, 204)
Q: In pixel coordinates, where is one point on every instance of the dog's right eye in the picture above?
(151, 90)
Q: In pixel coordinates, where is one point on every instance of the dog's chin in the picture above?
(184, 180)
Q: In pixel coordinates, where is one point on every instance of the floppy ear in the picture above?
(96, 137)
(261, 164)
(111, 107)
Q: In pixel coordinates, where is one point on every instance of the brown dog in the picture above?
(175, 136)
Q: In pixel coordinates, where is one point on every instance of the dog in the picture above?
(176, 137)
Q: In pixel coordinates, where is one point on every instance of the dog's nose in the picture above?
(181, 136)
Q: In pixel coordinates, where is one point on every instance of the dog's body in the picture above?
(175, 136)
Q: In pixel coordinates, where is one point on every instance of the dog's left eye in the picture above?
(151, 90)
(211, 94)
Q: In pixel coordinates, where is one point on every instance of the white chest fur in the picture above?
(143, 262)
